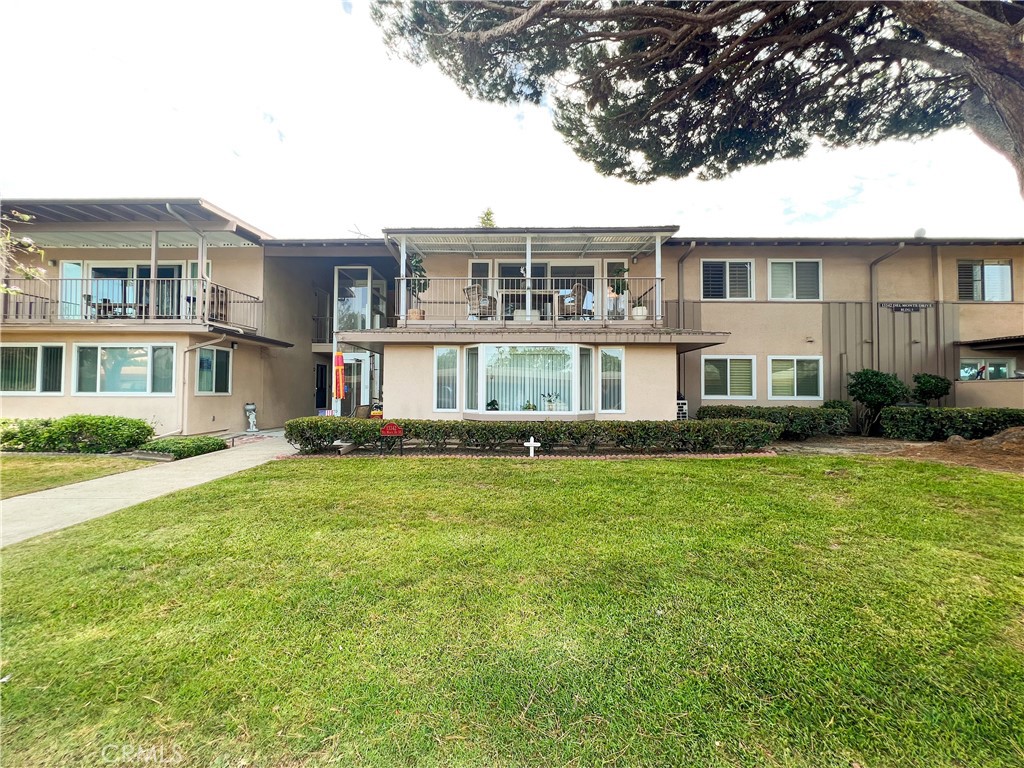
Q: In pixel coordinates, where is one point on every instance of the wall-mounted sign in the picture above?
(907, 306)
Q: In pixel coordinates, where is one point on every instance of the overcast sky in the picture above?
(294, 118)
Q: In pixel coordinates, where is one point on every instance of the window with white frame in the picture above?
(987, 368)
(32, 369)
(446, 378)
(213, 376)
(794, 378)
(613, 380)
(124, 369)
(984, 280)
(727, 279)
(794, 280)
(728, 377)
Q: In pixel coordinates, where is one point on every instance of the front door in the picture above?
(323, 383)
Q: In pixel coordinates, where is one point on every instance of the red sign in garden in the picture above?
(391, 430)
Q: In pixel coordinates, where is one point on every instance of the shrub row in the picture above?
(185, 447)
(78, 433)
(315, 434)
(941, 423)
(797, 423)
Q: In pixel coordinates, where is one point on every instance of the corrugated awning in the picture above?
(569, 242)
(996, 342)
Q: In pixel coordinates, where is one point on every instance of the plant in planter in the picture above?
(418, 284)
(529, 405)
(639, 309)
(618, 288)
(551, 399)
(492, 405)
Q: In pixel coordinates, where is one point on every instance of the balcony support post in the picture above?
(529, 277)
(154, 246)
(657, 278)
(402, 288)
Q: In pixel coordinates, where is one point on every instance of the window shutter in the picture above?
(739, 279)
(781, 279)
(741, 378)
(782, 378)
(807, 280)
(714, 280)
(968, 282)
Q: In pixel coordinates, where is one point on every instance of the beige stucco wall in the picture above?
(989, 394)
(650, 379)
(162, 411)
(217, 412)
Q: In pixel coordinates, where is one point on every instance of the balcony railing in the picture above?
(142, 300)
(536, 301)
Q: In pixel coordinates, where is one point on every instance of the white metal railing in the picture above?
(189, 300)
(539, 300)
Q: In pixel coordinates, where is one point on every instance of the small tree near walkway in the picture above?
(875, 390)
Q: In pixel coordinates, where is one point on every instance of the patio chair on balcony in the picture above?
(480, 304)
(578, 302)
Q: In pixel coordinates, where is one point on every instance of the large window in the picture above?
(728, 377)
(987, 368)
(727, 279)
(524, 378)
(124, 369)
(214, 375)
(794, 280)
(794, 378)
(446, 379)
(32, 369)
(984, 280)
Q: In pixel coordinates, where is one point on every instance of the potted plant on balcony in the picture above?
(639, 309)
(417, 284)
(529, 405)
(617, 289)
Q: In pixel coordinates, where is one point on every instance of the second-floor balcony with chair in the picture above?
(571, 300)
(133, 301)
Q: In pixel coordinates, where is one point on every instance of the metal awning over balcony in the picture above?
(562, 242)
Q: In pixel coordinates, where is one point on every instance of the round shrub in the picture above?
(185, 447)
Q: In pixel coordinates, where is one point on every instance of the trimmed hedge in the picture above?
(942, 423)
(185, 447)
(78, 433)
(797, 423)
(316, 434)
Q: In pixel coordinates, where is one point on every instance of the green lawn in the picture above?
(791, 612)
(26, 474)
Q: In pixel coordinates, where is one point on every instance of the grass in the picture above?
(783, 612)
(27, 474)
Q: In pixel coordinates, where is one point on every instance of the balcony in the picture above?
(142, 301)
(539, 301)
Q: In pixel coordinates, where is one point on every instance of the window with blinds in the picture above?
(214, 375)
(728, 377)
(612, 380)
(794, 280)
(794, 378)
(984, 280)
(727, 279)
(32, 369)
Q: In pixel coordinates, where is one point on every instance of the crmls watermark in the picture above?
(136, 754)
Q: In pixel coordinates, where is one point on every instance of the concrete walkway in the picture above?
(34, 513)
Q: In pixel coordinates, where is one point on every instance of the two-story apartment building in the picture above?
(177, 312)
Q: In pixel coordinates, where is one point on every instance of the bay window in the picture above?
(214, 375)
(32, 369)
(612, 380)
(446, 378)
(124, 369)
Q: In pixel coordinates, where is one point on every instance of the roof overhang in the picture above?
(996, 342)
(571, 242)
(129, 223)
(838, 241)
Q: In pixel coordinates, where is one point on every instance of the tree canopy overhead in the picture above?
(645, 90)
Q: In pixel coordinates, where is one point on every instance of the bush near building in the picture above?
(185, 447)
(78, 433)
(316, 434)
(943, 423)
(797, 423)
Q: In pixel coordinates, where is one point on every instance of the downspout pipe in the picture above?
(876, 352)
(679, 276)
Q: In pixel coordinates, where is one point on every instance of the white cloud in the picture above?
(296, 119)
